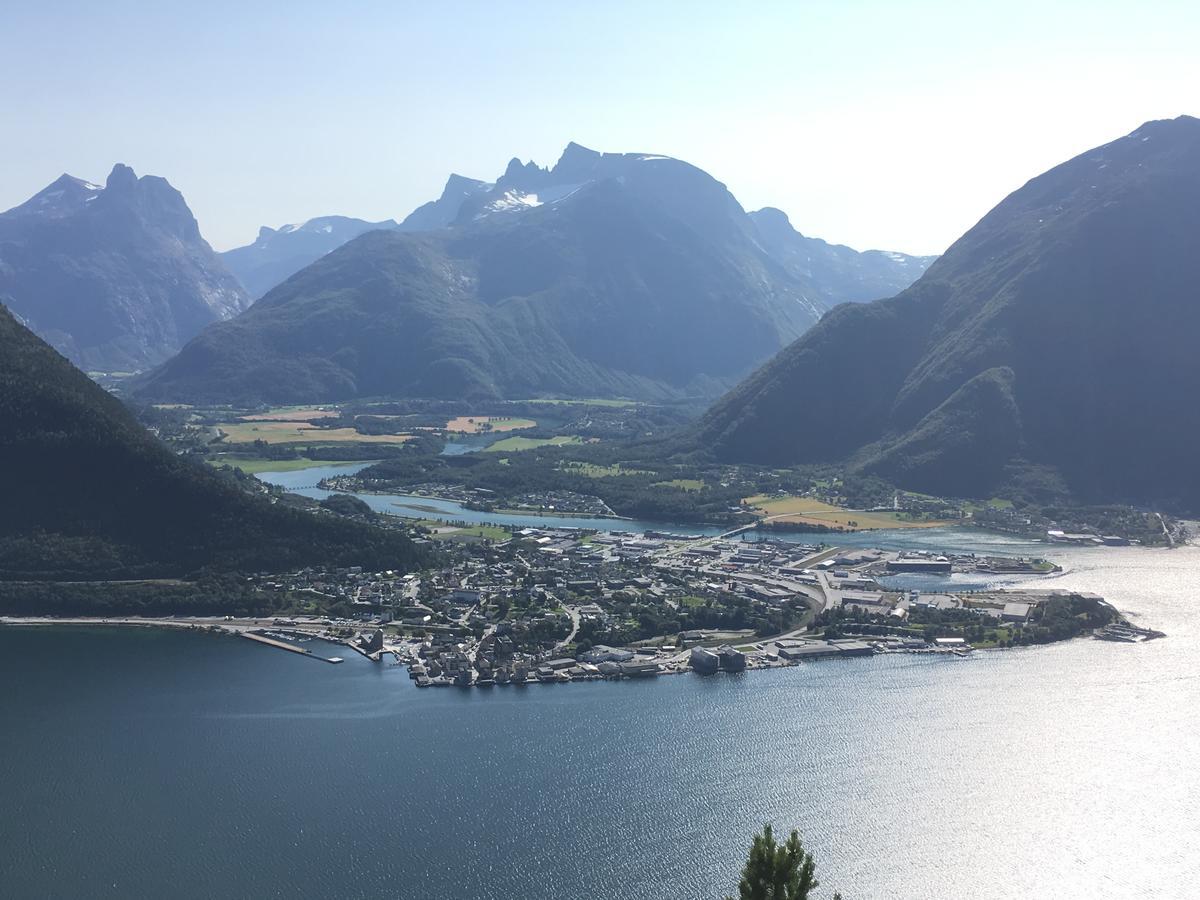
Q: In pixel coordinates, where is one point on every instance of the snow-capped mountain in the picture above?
(278, 253)
(114, 277)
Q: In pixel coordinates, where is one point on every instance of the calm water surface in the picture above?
(157, 764)
(304, 482)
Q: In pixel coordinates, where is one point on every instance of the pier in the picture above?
(283, 645)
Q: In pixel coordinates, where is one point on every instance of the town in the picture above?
(553, 605)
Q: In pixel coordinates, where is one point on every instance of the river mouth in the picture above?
(415, 506)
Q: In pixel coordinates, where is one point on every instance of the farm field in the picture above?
(301, 433)
(479, 424)
(523, 443)
(590, 470)
(291, 414)
(684, 484)
(807, 511)
(593, 402)
(252, 465)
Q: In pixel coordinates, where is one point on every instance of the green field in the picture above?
(524, 443)
(301, 433)
(684, 484)
(592, 402)
(481, 424)
(593, 471)
(291, 414)
(444, 532)
(252, 465)
(809, 511)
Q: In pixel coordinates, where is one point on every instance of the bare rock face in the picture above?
(117, 278)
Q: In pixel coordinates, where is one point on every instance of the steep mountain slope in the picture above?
(608, 274)
(115, 277)
(91, 494)
(444, 210)
(1061, 331)
(835, 271)
(279, 253)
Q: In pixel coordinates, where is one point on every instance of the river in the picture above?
(304, 482)
(152, 763)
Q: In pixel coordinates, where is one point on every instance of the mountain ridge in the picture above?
(116, 277)
(98, 497)
(606, 274)
(1043, 287)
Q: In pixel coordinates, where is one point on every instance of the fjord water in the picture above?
(156, 763)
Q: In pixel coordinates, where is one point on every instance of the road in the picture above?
(574, 614)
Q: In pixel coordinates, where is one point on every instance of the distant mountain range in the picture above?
(93, 495)
(1054, 346)
(115, 277)
(837, 273)
(606, 275)
(277, 254)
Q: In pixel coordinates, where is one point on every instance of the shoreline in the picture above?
(260, 631)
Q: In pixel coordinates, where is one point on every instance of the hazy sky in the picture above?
(894, 125)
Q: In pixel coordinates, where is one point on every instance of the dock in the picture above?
(283, 645)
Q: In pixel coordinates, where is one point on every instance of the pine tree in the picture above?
(777, 872)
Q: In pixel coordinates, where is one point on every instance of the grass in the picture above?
(684, 484)
(808, 511)
(524, 443)
(475, 424)
(291, 414)
(592, 402)
(252, 465)
(295, 433)
(590, 470)
(443, 531)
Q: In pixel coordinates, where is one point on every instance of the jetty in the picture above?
(283, 645)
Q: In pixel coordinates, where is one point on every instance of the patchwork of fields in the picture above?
(302, 433)
(479, 424)
(809, 511)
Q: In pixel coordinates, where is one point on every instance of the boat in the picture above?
(1117, 633)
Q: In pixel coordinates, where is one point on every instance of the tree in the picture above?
(777, 872)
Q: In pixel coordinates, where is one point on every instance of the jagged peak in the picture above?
(457, 185)
(120, 178)
(576, 156)
(65, 180)
(773, 215)
(63, 196)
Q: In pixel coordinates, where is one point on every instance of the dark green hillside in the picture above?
(599, 298)
(89, 494)
(609, 275)
(1060, 332)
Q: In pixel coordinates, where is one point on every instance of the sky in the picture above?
(889, 125)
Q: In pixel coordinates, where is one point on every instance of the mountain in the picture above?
(279, 253)
(92, 495)
(836, 271)
(606, 275)
(1058, 336)
(443, 211)
(115, 277)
